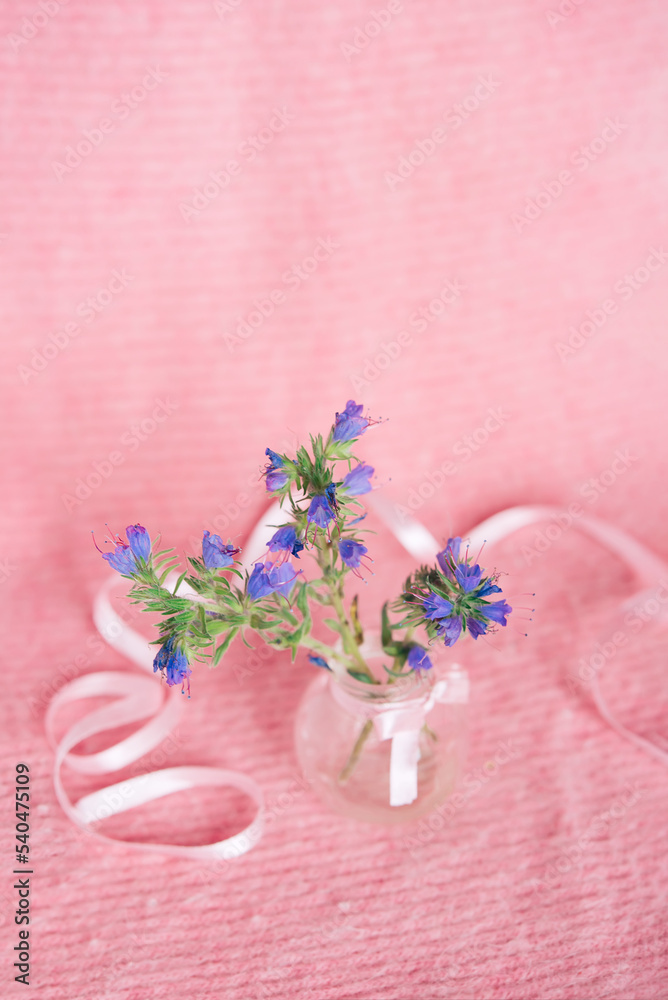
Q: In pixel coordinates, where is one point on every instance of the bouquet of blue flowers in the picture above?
(319, 489)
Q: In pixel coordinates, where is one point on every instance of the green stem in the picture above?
(320, 647)
(347, 636)
(356, 751)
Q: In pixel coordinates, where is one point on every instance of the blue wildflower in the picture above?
(476, 627)
(350, 424)
(215, 553)
(122, 559)
(468, 577)
(488, 588)
(320, 511)
(351, 553)
(418, 659)
(140, 541)
(258, 583)
(496, 611)
(449, 629)
(319, 661)
(276, 476)
(281, 578)
(357, 481)
(436, 606)
(172, 664)
(270, 578)
(449, 554)
(285, 540)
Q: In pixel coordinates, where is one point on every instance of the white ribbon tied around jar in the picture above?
(402, 722)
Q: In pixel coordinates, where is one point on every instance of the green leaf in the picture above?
(335, 625)
(386, 629)
(215, 628)
(394, 673)
(302, 601)
(163, 576)
(224, 646)
(357, 627)
(361, 677)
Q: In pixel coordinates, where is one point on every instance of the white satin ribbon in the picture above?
(402, 721)
(137, 697)
(144, 697)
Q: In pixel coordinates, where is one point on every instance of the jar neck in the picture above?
(411, 686)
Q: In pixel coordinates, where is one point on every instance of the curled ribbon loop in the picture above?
(136, 697)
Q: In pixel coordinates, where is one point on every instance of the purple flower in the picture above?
(350, 424)
(449, 553)
(122, 559)
(449, 629)
(285, 540)
(496, 611)
(489, 588)
(320, 511)
(351, 552)
(276, 477)
(270, 578)
(140, 541)
(215, 553)
(436, 606)
(357, 481)
(476, 627)
(468, 577)
(319, 661)
(418, 659)
(172, 664)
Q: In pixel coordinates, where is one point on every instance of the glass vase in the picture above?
(388, 752)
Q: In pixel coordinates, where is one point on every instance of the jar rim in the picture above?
(409, 686)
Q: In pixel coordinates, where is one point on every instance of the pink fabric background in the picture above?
(325, 908)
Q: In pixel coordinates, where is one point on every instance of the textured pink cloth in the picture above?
(166, 168)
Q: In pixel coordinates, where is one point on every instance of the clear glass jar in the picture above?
(384, 753)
